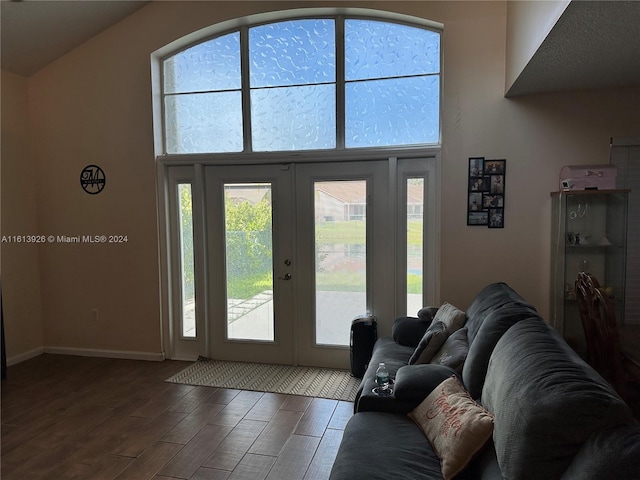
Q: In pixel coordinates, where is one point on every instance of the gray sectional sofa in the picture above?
(554, 417)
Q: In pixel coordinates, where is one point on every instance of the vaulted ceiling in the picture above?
(35, 33)
(593, 45)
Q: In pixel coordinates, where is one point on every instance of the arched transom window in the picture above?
(304, 84)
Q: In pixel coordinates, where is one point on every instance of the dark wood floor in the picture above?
(68, 418)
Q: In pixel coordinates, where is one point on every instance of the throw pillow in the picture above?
(452, 317)
(454, 351)
(456, 426)
(431, 342)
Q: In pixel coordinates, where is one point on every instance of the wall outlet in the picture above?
(94, 314)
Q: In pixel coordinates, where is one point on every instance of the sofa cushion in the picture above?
(454, 351)
(613, 453)
(431, 342)
(415, 382)
(456, 426)
(491, 298)
(452, 317)
(380, 446)
(409, 330)
(546, 400)
(495, 324)
(483, 467)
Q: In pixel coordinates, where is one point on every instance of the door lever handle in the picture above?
(287, 276)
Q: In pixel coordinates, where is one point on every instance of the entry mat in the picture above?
(262, 377)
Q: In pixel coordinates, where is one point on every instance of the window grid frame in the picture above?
(340, 83)
(245, 81)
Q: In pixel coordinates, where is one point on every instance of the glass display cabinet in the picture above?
(589, 233)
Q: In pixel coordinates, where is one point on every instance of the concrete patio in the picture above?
(251, 319)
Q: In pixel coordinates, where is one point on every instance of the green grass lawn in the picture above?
(329, 233)
(249, 286)
(353, 232)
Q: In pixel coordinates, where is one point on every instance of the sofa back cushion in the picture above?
(546, 400)
(613, 453)
(491, 298)
(495, 324)
(496, 308)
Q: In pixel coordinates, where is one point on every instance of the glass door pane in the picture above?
(415, 243)
(250, 268)
(344, 255)
(248, 214)
(340, 213)
(187, 271)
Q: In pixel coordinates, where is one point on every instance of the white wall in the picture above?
(93, 106)
(22, 308)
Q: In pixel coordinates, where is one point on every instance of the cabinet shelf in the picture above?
(587, 193)
(592, 246)
(595, 216)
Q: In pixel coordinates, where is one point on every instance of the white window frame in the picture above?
(402, 160)
(428, 169)
(243, 26)
(178, 346)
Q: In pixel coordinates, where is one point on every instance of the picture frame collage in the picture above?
(485, 197)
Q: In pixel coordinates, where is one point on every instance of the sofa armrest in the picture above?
(428, 313)
(415, 382)
(409, 330)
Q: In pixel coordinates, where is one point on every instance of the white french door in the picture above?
(291, 255)
(344, 242)
(250, 247)
(271, 263)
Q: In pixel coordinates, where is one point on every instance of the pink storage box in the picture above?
(588, 177)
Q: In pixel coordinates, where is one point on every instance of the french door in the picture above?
(343, 247)
(249, 217)
(287, 255)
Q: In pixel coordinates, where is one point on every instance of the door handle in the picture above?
(287, 276)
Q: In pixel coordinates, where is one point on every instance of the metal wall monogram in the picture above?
(485, 204)
(92, 179)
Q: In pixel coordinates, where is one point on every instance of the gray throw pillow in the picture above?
(431, 342)
(454, 351)
(452, 317)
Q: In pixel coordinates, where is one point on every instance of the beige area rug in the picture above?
(261, 377)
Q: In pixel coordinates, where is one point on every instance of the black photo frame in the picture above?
(476, 166)
(496, 218)
(485, 192)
